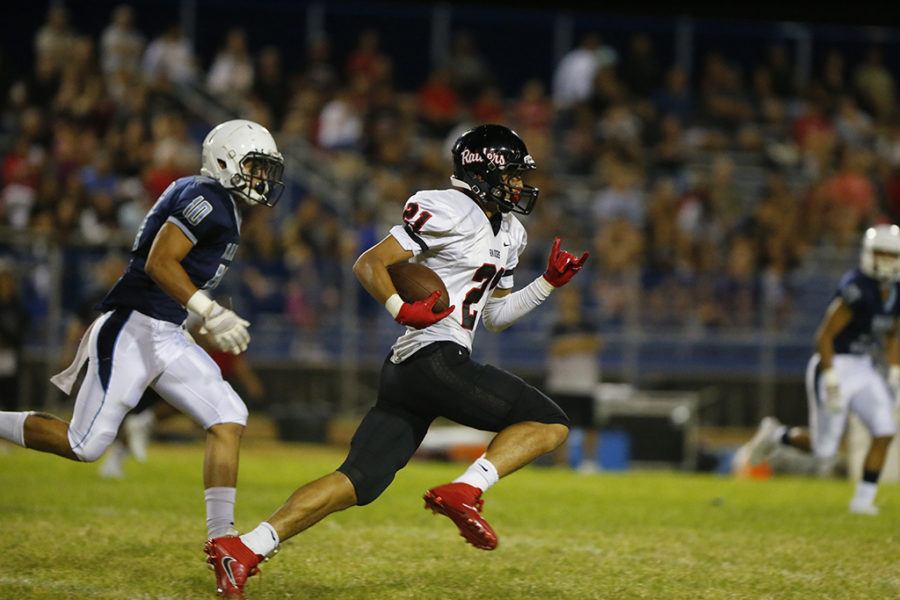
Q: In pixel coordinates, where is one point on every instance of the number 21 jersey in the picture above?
(449, 233)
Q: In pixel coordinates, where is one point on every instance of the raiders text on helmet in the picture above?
(481, 156)
(243, 157)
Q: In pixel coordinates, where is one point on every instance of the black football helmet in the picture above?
(481, 155)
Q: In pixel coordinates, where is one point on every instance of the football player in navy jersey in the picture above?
(184, 246)
(842, 376)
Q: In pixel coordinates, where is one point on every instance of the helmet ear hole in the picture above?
(221, 162)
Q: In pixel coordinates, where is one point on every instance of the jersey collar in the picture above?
(496, 220)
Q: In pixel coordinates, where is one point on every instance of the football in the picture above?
(416, 282)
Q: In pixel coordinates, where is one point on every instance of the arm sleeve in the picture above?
(507, 281)
(428, 224)
(199, 215)
(500, 313)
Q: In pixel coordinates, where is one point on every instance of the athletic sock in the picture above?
(263, 540)
(481, 474)
(219, 510)
(783, 435)
(865, 493)
(12, 426)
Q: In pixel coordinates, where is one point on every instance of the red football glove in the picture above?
(562, 265)
(419, 315)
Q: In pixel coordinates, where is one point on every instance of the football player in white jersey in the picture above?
(468, 236)
(842, 376)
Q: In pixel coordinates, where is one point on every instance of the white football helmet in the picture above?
(880, 257)
(243, 157)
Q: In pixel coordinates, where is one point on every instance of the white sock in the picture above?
(865, 493)
(263, 540)
(481, 474)
(219, 510)
(778, 433)
(12, 426)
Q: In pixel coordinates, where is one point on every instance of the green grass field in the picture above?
(68, 534)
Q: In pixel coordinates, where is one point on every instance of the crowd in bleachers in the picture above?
(638, 161)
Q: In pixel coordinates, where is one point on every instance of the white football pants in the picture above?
(129, 352)
(863, 390)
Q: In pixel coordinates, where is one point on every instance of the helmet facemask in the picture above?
(510, 191)
(259, 180)
(882, 265)
(880, 257)
(498, 185)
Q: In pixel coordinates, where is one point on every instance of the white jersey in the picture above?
(448, 232)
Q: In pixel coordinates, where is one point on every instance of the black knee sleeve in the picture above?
(382, 445)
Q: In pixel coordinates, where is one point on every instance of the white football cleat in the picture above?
(859, 508)
(587, 467)
(138, 429)
(764, 440)
(111, 467)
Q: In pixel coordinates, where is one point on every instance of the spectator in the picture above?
(875, 84)
(622, 198)
(469, 73)
(851, 189)
(782, 69)
(438, 103)
(270, 84)
(852, 126)
(574, 75)
(54, 39)
(533, 110)
(488, 106)
(676, 97)
(366, 61)
(121, 45)
(231, 75)
(572, 376)
(833, 78)
(319, 74)
(13, 325)
(640, 70)
(169, 59)
(341, 122)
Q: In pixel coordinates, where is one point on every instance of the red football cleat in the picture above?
(462, 503)
(233, 563)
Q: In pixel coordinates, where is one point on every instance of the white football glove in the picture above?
(227, 330)
(834, 403)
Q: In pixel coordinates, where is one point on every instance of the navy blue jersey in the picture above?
(873, 316)
(208, 216)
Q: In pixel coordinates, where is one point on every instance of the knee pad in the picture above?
(231, 410)
(381, 446)
(91, 447)
(368, 485)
